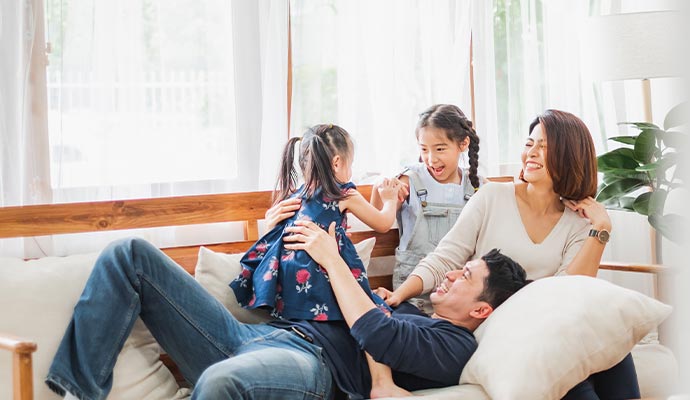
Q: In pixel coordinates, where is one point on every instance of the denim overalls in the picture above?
(433, 221)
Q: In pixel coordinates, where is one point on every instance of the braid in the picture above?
(473, 152)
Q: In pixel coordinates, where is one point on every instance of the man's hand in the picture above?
(320, 246)
(281, 211)
(323, 248)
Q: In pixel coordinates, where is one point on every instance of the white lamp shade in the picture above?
(636, 45)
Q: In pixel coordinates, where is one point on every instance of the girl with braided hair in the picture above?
(433, 191)
(287, 282)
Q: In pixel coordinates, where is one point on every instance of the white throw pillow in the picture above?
(38, 298)
(214, 271)
(555, 332)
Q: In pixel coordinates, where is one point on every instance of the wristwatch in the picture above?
(603, 235)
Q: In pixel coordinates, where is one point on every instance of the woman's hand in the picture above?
(390, 297)
(319, 244)
(281, 211)
(594, 211)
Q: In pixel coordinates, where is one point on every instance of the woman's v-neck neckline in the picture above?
(522, 221)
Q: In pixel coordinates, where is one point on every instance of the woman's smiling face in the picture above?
(534, 157)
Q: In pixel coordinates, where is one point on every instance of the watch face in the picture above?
(604, 236)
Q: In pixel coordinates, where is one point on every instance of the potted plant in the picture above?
(639, 175)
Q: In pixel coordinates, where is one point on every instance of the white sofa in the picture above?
(43, 292)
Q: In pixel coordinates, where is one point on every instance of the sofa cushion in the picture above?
(37, 300)
(555, 332)
(657, 370)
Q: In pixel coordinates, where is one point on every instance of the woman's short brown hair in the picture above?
(571, 157)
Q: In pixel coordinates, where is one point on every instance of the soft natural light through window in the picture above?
(140, 92)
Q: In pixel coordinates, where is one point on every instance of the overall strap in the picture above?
(420, 189)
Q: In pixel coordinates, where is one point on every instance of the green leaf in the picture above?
(624, 139)
(607, 179)
(641, 203)
(626, 202)
(619, 188)
(676, 140)
(671, 226)
(677, 116)
(645, 145)
(682, 170)
(665, 162)
(621, 204)
(651, 167)
(615, 204)
(650, 202)
(640, 125)
(622, 158)
(617, 173)
(657, 201)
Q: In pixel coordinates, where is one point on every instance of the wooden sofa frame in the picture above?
(248, 208)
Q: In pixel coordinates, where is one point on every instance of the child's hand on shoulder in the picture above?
(390, 189)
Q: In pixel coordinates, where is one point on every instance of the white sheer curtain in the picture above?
(542, 63)
(145, 99)
(24, 173)
(23, 128)
(372, 67)
(486, 110)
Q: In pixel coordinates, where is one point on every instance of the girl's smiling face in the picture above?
(440, 154)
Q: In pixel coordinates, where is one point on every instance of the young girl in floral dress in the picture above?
(290, 283)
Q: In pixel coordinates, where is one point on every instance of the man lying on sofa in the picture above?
(226, 359)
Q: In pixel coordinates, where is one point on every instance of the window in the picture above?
(396, 58)
(140, 92)
(519, 63)
(372, 67)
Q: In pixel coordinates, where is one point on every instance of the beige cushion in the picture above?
(657, 370)
(556, 332)
(214, 271)
(37, 300)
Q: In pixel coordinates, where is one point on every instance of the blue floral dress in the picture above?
(289, 282)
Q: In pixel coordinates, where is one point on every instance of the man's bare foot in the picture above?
(389, 391)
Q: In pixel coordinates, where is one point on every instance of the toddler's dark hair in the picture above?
(318, 146)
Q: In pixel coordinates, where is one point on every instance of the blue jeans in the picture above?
(222, 357)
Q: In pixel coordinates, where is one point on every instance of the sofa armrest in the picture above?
(22, 371)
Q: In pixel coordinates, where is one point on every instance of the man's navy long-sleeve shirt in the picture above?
(423, 352)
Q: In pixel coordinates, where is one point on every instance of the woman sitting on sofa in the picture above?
(548, 222)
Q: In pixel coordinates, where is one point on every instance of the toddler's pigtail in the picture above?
(286, 184)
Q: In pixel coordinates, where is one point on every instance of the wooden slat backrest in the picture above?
(249, 207)
(51, 219)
